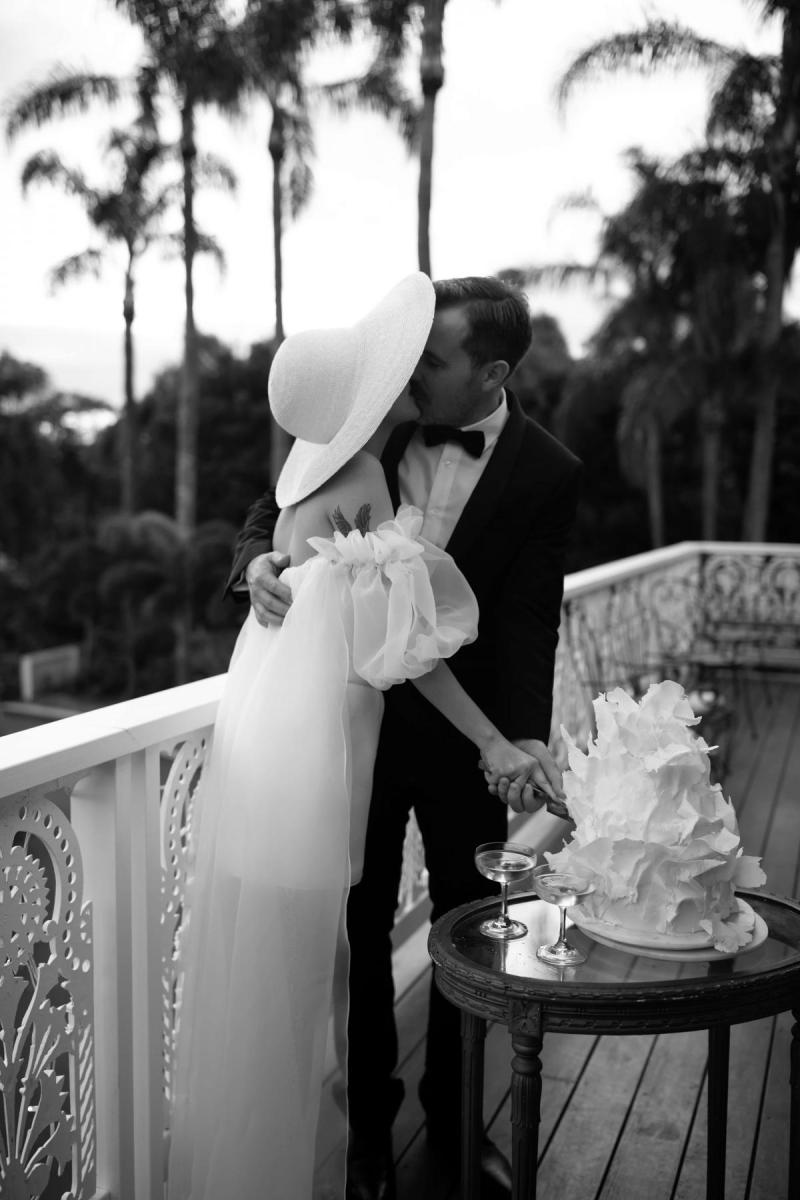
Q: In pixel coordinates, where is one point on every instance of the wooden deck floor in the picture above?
(625, 1117)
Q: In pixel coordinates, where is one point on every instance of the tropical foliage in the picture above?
(76, 569)
(754, 121)
(116, 529)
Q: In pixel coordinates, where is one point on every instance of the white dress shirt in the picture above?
(440, 479)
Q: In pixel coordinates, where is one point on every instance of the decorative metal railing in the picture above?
(95, 817)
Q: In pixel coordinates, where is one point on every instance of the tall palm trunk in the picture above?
(766, 391)
(431, 77)
(711, 420)
(783, 154)
(654, 483)
(186, 423)
(127, 479)
(128, 423)
(279, 439)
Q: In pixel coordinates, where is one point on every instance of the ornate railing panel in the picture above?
(180, 792)
(95, 833)
(90, 903)
(750, 605)
(618, 624)
(46, 1002)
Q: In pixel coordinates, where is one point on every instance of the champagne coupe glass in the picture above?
(502, 862)
(565, 889)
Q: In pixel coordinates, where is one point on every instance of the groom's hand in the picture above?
(546, 776)
(543, 787)
(269, 597)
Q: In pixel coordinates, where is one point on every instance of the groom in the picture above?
(499, 493)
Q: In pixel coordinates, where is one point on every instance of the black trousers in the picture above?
(443, 784)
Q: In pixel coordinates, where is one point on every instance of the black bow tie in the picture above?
(472, 440)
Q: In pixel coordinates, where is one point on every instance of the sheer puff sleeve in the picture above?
(411, 606)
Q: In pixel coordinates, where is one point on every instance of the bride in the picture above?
(282, 817)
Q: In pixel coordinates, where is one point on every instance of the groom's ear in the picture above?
(495, 374)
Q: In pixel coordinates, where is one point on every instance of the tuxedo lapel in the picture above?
(489, 489)
(393, 451)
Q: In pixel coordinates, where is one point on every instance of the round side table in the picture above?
(504, 981)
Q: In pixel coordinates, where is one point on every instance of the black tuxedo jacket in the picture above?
(509, 542)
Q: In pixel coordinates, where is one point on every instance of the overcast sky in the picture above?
(503, 158)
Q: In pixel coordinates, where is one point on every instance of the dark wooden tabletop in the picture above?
(499, 980)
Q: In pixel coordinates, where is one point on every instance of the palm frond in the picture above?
(173, 245)
(394, 22)
(580, 201)
(378, 90)
(88, 262)
(745, 101)
(213, 171)
(62, 93)
(658, 44)
(140, 150)
(300, 187)
(156, 206)
(205, 243)
(298, 131)
(47, 167)
(556, 275)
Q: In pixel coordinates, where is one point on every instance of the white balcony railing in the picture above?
(95, 811)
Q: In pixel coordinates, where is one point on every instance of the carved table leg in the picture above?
(473, 1037)
(526, 1094)
(794, 1110)
(719, 1037)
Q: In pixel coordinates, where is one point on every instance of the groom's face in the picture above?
(447, 386)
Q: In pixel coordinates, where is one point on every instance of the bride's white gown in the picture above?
(280, 835)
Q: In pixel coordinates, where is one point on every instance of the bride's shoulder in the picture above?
(362, 466)
(360, 482)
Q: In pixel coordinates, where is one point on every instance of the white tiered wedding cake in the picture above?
(657, 839)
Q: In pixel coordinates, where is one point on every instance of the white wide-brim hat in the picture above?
(331, 388)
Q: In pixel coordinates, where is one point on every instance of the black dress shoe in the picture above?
(370, 1169)
(495, 1169)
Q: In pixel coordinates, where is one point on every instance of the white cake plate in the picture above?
(696, 947)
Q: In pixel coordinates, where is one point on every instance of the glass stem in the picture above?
(504, 903)
(562, 927)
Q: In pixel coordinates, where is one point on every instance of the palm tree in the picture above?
(695, 308)
(276, 37)
(190, 51)
(756, 107)
(683, 254)
(64, 93)
(394, 20)
(127, 213)
(431, 75)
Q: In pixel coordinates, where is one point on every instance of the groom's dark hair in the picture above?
(498, 314)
